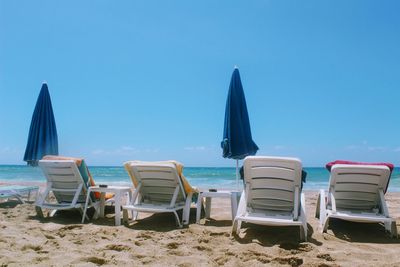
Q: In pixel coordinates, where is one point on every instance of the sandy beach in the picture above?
(154, 240)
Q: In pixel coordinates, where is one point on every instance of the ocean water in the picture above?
(201, 177)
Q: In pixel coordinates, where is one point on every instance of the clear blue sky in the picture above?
(149, 79)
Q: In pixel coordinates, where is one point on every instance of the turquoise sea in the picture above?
(202, 177)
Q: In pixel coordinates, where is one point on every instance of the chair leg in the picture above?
(178, 222)
(303, 233)
(96, 212)
(19, 198)
(51, 214)
(325, 225)
(39, 212)
(393, 229)
(186, 210)
(185, 216)
(199, 207)
(82, 211)
(125, 216)
(208, 208)
(238, 226)
(234, 226)
(317, 210)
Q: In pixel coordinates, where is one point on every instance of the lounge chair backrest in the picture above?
(271, 183)
(64, 174)
(158, 182)
(356, 187)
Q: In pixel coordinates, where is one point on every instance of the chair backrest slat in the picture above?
(158, 182)
(63, 174)
(357, 186)
(271, 182)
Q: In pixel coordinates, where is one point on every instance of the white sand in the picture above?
(155, 241)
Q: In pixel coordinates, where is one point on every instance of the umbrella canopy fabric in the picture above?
(237, 142)
(42, 138)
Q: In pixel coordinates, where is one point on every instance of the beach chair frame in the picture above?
(66, 183)
(159, 189)
(356, 193)
(18, 192)
(272, 194)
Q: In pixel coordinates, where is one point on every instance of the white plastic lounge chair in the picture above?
(68, 185)
(356, 193)
(17, 191)
(272, 195)
(158, 189)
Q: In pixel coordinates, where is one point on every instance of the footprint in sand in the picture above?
(95, 260)
(173, 245)
(254, 255)
(118, 248)
(326, 257)
(202, 248)
(71, 227)
(221, 260)
(292, 261)
(49, 236)
(220, 234)
(144, 235)
(204, 240)
(61, 234)
(53, 243)
(296, 248)
(139, 256)
(40, 259)
(230, 253)
(32, 247)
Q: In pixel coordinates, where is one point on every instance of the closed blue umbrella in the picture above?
(42, 138)
(237, 142)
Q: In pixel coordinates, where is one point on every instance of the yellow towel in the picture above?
(179, 167)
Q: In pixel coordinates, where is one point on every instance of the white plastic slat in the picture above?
(357, 178)
(276, 172)
(160, 193)
(272, 194)
(60, 170)
(356, 196)
(356, 187)
(353, 204)
(64, 178)
(65, 197)
(271, 182)
(166, 175)
(159, 183)
(65, 184)
(284, 206)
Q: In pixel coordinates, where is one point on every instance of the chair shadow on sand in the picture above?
(160, 222)
(287, 237)
(73, 216)
(10, 204)
(360, 232)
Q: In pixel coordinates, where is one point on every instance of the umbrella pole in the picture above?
(237, 174)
